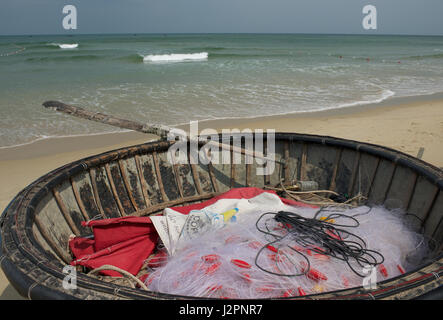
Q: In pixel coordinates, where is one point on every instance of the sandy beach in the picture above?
(405, 124)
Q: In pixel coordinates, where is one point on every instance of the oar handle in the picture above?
(159, 130)
(78, 112)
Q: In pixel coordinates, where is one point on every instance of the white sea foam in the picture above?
(175, 57)
(64, 45)
(385, 94)
(62, 136)
(68, 46)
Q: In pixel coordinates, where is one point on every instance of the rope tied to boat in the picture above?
(122, 272)
(32, 286)
(312, 197)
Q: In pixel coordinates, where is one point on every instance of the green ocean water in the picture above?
(203, 76)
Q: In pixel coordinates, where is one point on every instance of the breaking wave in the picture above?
(175, 57)
(68, 46)
(64, 45)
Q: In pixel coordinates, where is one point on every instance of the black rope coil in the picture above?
(322, 237)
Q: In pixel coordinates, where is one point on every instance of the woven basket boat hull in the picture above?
(138, 180)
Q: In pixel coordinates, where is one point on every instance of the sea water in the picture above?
(171, 79)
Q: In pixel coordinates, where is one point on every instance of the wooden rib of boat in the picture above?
(138, 180)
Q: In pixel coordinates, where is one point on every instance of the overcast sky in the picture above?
(424, 17)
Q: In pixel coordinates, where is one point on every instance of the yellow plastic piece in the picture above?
(318, 288)
(229, 214)
(327, 220)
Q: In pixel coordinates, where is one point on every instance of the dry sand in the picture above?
(402, 124)
(405, 127)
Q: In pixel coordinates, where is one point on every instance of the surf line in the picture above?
(21, 49)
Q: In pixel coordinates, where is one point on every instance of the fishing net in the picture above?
(291, 252)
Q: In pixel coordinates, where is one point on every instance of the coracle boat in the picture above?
(138, 180)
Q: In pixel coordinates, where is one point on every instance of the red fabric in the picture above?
(81, 246)
(122, 242)
(108, 232)
(236, 193)
(127, 255)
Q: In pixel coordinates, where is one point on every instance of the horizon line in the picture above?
(222, 33)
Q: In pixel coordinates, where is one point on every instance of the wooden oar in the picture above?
(159, 130)
(78, 112)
